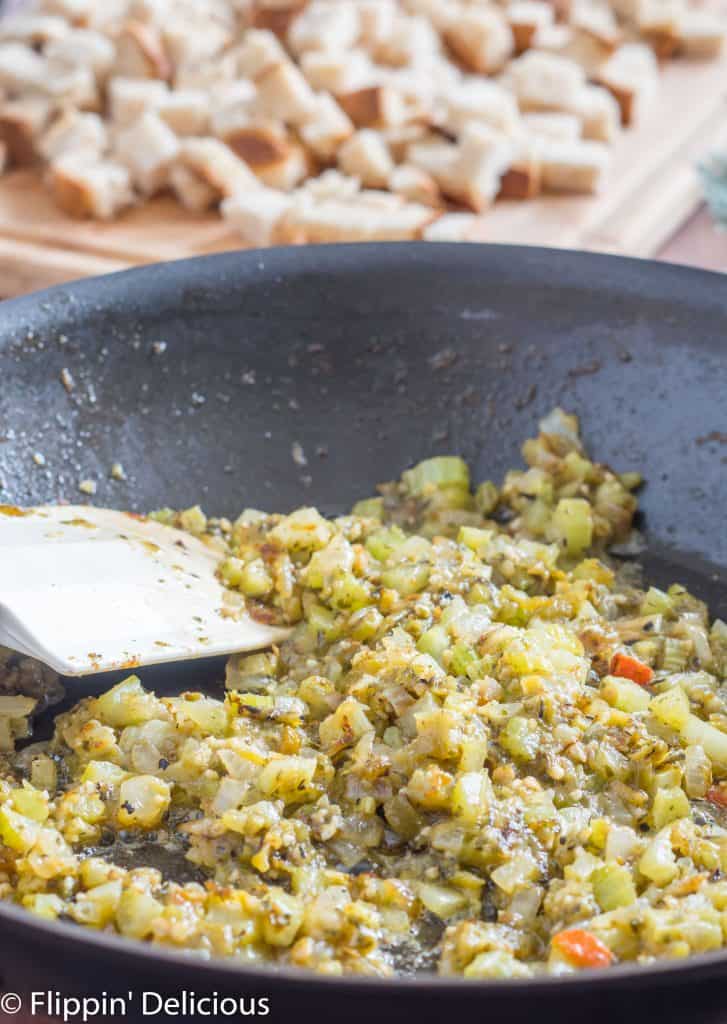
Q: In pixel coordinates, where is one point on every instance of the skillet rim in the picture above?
(600, 272)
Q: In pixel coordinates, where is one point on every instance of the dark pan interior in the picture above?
(200, 376)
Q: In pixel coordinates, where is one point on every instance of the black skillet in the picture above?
(200, 376)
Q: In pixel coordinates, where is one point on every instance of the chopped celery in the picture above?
(406, 578)
(441, 471)
(572, 524)
(669, 805)
(369, 508)
(613, 886)
(464, 661)
(655, 602)
(621, 693)
(671, 708)
(435, 642)
(385, 541)
(486, 497)
(521, 738)
(709, 737)
(255, 580)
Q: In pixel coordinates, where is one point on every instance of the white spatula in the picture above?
(89, 589)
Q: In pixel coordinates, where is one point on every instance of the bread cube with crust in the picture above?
(480, 38)
(255, 215)
(74, 132)
(327, 129)
(86, 188)
(148, 147)
(284, 95)
(366, 156)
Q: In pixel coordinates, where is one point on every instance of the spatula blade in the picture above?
(87, 590)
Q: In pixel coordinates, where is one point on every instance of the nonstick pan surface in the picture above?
(200, 376)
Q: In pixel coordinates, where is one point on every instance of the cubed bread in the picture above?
(331, 25)
(599, 113)
(659, 24)
(572, 166)
(74, 132)
(526, 19)
(283, 94)
(186, 111)
(377, 106)
(336, 72)
(83, 47)
(87, 188)
(273, 16)
(21, 69)
(366, 156)
(477, 99)
(256, 52)
(480, 38)
(352, 220)
(483, 157)
(631, 75)
(255, 215)
(216, 164)
(141, 52)
(415, 185)
(544, 81)
(327, 129)
(551, 125)
(33, 29)
(128, 98)
(454, 227)
(21, 125)
(192, 191)
(267, 149)
(148, 147)
(702, 34)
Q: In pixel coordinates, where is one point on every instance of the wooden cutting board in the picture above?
(651, 188)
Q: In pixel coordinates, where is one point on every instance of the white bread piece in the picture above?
(21, 125)
(366, 156)
(258, 51)
(231, 105)
(75, 11)
(599, 113)
(74, 132)
(433, 155)
(544, 81)
(526, 19)
(413, 40)
(128, 98)
(335, 71)
(556, 38)
(85, 47)
(155, 11)
(454, 227)
(192, 191)
(415, 185)
(255, 215)
(148, 147)
(399, 139)
(141, 52)
(86, 188)
(375, 106)
(283, 94)
(270, 153)
(478, 99)
(331, 25)
(631, 74)
(186, 111)
(659, 24)
(439, 13)
(480, 38)
(72, 86)
(376, 22)
(483, 157)
(274, 15)
(331, 184)
(327, 129)
(357, 219)
(196, 40)
(572, 166)
(550, 125)
(21, 69)
(702, 34)
(597, 21)
(32, 29)
(216, 164)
